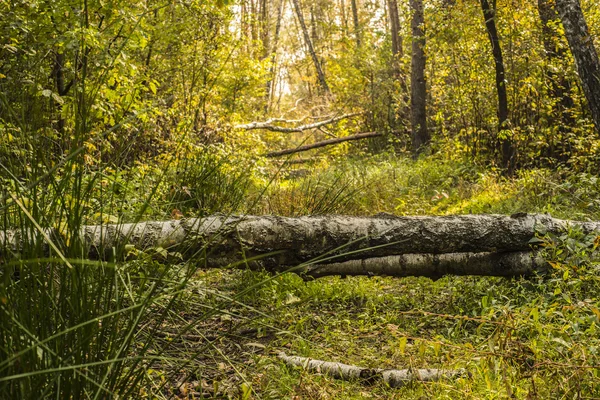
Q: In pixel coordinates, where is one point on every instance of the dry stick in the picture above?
(268, 125)
(393, 377)
(323, 143)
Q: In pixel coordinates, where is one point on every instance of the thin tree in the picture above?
(506, 145)
(356, 22)
(395, 28)
(309, 45)
(418, 85)
(264, 27)
(584, 53)
(272, 67)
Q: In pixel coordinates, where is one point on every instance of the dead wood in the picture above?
(325, 245)
(269, 125)
(323, 143)
(393, 377)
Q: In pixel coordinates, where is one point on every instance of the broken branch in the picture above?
(268, 125)
(393, 377)
(323, 143)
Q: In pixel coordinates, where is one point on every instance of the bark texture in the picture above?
(433, 266)
(418, 84)
(506, 145)
(393, 377)
(323, 143)
(584, 53)
(275, 243)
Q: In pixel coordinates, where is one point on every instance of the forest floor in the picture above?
(518, 338)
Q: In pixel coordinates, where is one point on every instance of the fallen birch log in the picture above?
(323, 143)
(276, 243)
(268, 125)
(435, 266)
(393, 377)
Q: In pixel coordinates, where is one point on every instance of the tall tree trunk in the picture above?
(272, 67)
(584, 53)
(395, 29)
(356, 22)
(309, 45)
(560, 85)
(507, 149)
(418, 84)
(264, 27)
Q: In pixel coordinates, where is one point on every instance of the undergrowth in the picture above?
(144, 326)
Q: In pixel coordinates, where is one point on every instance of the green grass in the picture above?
(152, 329)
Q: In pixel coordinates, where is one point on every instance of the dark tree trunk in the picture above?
(356, 22)
(584, 53)
(418, 84)
(506, 145)
(309, 45)
(61, 87)
(559, 84)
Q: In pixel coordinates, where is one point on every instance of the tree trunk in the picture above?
(309, 45)
(264, 27)
(272, 67)
(278, 243)
(395, 30)
(507, 150)
(356, 22)
(560, 85)
(584, 53)
(435, 266)
(61, 87)
(418, 84)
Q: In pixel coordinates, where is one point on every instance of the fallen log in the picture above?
(323, 143)
(276, 243)
(393, 377)
(268, 125)
(434, 266)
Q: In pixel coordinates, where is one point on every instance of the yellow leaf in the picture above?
(402, 344)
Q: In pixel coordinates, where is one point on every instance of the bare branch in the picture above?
(323, 143)
(268, 125)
